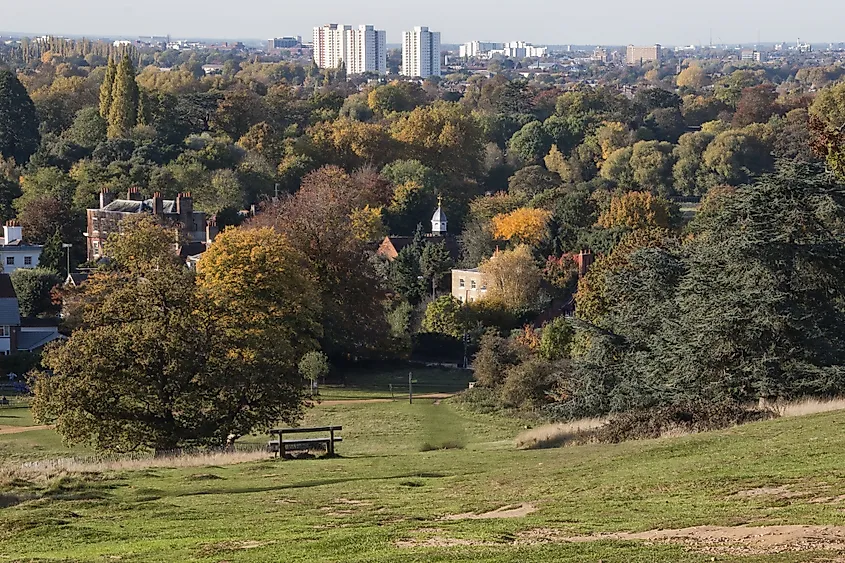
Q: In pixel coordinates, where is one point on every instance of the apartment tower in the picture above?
(366, 50)
(421, 53)
(330, 44)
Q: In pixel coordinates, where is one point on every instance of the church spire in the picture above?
(439, 223)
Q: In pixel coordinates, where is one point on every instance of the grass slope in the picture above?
(384, 491)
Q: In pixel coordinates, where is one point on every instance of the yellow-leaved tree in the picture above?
(636, 210)
(524, 225)
(367, 223)
(512, 278)
(263, 293)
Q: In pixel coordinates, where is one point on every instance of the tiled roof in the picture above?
(36, 339)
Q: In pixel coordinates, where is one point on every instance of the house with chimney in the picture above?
(21, 334)
(14, 252)
(197, 230)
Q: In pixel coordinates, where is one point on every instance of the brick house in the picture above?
(196, 229)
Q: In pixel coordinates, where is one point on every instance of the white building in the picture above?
(361, 50)
(366, 50)
(14, 253)
(521, 50)
(330, 44)
(478, 49)
(421, 53)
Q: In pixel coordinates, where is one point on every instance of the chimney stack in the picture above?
(12, 232)
(211, 230)
(585, 260)
(158, 204)
(134, 194)
(106, 197)
(184, 204)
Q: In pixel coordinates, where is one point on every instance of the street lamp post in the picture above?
(67, 246)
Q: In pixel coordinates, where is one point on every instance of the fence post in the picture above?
(410, 388)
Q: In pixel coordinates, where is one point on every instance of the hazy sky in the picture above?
(538, 21)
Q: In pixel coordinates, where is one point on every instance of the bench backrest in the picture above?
(304, 430)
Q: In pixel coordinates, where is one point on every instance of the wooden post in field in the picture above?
(410, 388)
(392, 397)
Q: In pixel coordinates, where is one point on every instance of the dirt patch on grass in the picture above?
(510, 511)
(19, 429)
(214, 548)
(776, 492)
(725, 540)
(439, 541)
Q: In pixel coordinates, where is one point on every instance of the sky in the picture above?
(555, 22)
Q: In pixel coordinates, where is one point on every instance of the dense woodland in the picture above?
(738, 299)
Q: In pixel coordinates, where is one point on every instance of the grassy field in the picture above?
(393, 496)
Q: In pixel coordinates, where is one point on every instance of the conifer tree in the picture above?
(106, 89)
(123, 114)
(19, 135)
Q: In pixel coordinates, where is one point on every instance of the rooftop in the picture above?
(146, 206)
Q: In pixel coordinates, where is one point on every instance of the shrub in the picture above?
(697, 416)
(525, 384)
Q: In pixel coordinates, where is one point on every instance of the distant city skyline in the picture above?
(543, 22)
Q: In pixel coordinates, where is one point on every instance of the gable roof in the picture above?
(9, 312)
(392, 245)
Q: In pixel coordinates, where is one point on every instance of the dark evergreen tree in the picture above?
(19, 136)
(53, 257)
(106, 89)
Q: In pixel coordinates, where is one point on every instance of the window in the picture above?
(95, 246)
(27, 260)
(483, 287)
(461, 298)
(472, 299)
(10, 260)
(5, 331)
(461, 283)
(472, 284)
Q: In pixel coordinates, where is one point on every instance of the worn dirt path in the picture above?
(19, 429)
(437, 396)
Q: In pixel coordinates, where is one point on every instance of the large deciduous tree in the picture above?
(160, 360)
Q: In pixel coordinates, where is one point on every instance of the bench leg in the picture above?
(331, 444)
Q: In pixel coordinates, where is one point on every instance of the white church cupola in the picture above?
(439, 222)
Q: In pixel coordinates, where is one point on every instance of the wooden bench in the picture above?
(281, 445)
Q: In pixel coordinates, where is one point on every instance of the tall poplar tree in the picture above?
(106, 89)
(123, 114)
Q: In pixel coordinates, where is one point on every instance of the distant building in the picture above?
(330, 45)
(283, 43)
(17, 334)
(751, 55)
(468, 285)
(360, 50)
(600, 55)
(640, 55)
(14, 252)
(392, 245)
(477, 49)
(520, 50)
(197, 230)
(366, 50)
(421, 53)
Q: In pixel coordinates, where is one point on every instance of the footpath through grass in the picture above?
(386, 500)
